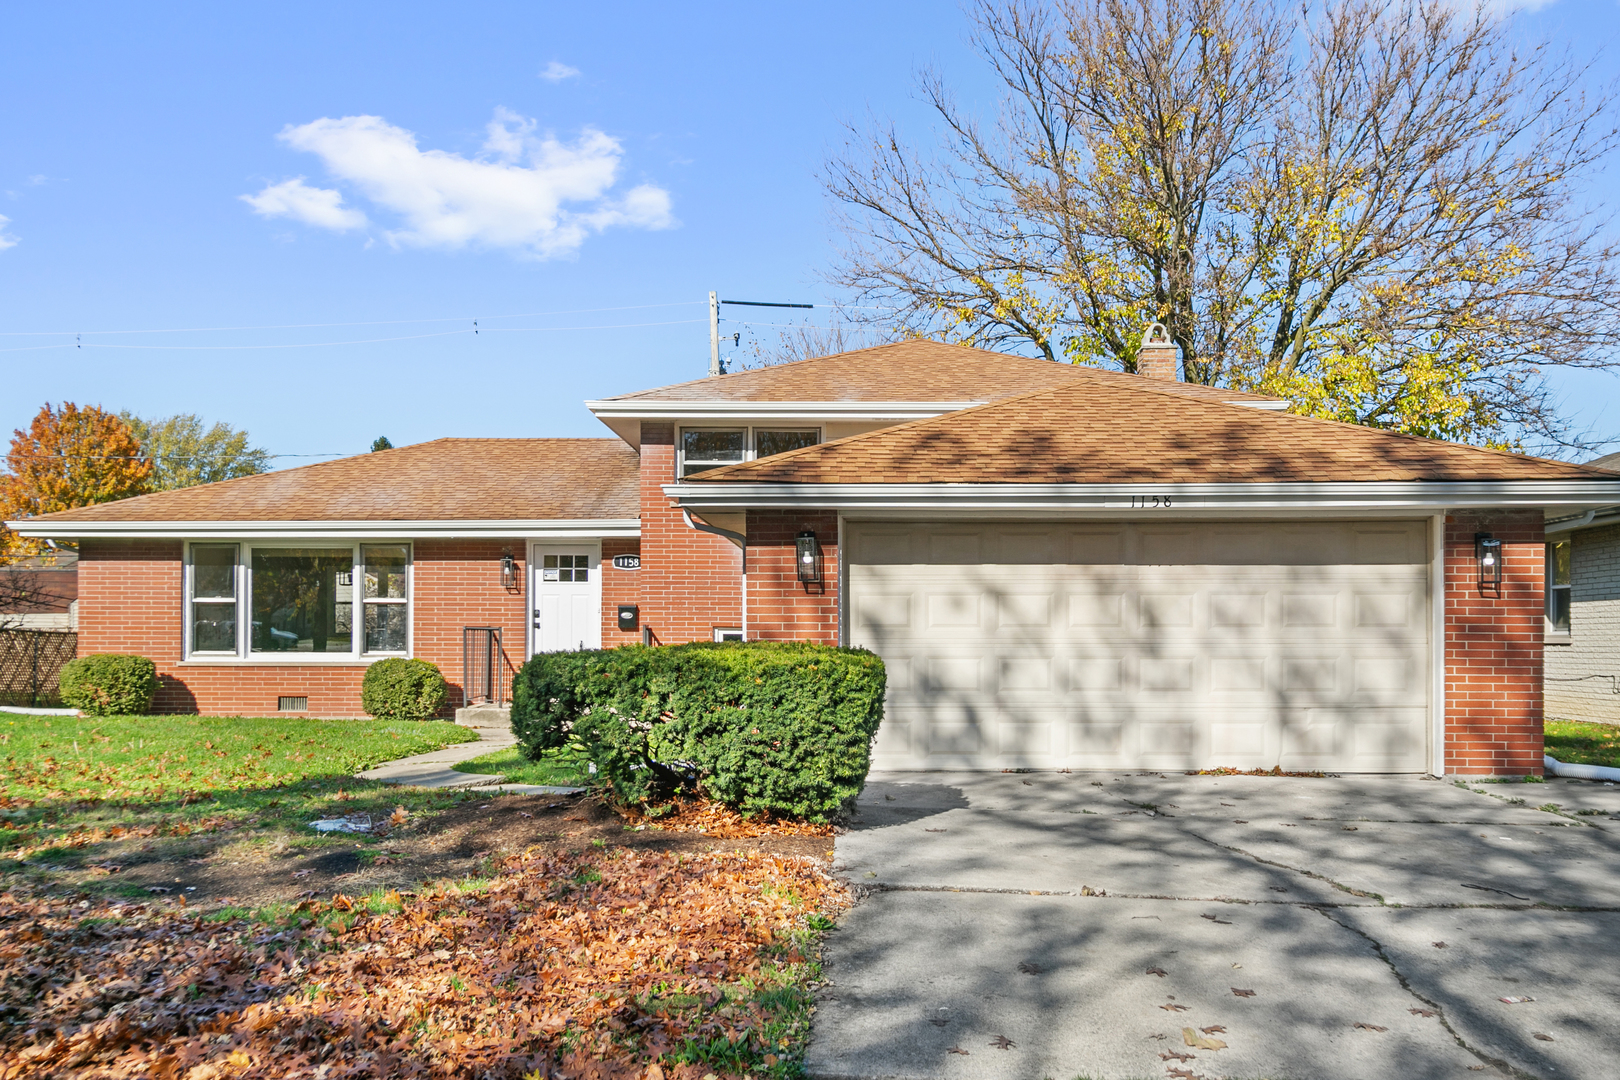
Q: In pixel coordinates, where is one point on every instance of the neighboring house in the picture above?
(1061, 566)
(40, 592)
(1583, 612)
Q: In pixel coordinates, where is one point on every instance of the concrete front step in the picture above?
(485, 715)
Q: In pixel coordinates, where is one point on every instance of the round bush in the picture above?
(400, 689)
(109, 684)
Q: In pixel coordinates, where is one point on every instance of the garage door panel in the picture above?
(1305, 660)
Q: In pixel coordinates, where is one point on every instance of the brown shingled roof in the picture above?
(1138, 432)
(442, 480)
(908, 371)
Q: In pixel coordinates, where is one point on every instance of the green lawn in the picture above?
(65, 780)
(1576, 743)
(560, 767)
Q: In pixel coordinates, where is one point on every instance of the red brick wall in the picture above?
(780, 606)
(131, 602)
(1493, 647)
(457, 583)
(618, 587)
(691, 581)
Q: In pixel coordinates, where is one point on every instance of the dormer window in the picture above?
(767, 443)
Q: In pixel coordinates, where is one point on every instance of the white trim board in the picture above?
(539, 529)
(1406, 498)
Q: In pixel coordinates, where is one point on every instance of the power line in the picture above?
(314, 326)
(361, 341)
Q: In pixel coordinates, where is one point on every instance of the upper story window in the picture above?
(300, 600)
(704, 449)
(1558, 588)
(710, 448)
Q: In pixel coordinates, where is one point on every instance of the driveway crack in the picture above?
(1341, 886)
(1439, 1010)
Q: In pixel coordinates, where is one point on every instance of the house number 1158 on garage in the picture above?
(1151, 502)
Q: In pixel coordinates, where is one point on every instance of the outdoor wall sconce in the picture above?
(1488, 553)
(808, 557)
(508, 571)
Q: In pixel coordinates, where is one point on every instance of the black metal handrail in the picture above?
(483, 667)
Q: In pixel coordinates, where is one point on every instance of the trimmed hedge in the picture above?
(109, 684)
(780, 727)
(400, 689)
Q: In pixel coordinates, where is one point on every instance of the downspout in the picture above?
(736, 538)
(1579, 772)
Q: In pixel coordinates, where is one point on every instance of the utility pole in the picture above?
(714, 333)
(714, 325)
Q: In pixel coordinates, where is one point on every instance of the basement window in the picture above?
(1558, 590)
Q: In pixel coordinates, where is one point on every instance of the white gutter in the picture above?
(526, 529)
(1417, 497)
(1569, 524)
(665, 409)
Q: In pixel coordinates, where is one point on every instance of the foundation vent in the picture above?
(292, 704)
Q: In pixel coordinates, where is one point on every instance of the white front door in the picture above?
(566, 594)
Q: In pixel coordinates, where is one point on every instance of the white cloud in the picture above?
(6, 241)
(527, 192)
(557, 71)
(311, 205)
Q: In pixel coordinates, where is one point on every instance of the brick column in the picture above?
(1493, 647)
(780, 606)
(691, 581)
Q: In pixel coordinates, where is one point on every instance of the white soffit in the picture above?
(624, 417)
(313, 530)
(1162, 500)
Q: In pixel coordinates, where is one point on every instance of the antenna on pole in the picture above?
(714, 333)
(714, 325)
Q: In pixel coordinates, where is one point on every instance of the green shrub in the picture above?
(781, 727)
(400, 689)
(109, 684)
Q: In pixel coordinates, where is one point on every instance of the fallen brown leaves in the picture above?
(1276, 770)
(592, 965)
(723, 823)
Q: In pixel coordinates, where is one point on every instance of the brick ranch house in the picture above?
(1061, 566)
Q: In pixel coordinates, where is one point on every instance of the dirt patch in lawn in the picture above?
(464, 841)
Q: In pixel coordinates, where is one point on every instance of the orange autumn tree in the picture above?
(68, 457)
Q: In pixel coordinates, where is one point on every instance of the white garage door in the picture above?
(1151, 645)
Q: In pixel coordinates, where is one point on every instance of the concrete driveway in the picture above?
(1104, 925)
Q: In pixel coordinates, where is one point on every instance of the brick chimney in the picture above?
(1157, 358)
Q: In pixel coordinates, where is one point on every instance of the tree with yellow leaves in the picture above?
(1374, 208)
(68, 457)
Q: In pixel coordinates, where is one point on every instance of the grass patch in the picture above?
(562, 768)
(1580, 743)
(69, 785)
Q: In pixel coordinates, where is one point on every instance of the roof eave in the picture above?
(1408, 497)
(536, 528)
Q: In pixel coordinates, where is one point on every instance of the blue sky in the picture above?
(173, 167)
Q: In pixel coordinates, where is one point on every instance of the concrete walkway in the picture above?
(433, 769)
(1119, 925)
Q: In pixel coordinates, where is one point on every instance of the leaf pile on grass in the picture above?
(715, 819)
(609, 965)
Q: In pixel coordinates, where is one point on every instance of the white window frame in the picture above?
(728, 633)
(749, 434)
(244, 654)
(1550, 633)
